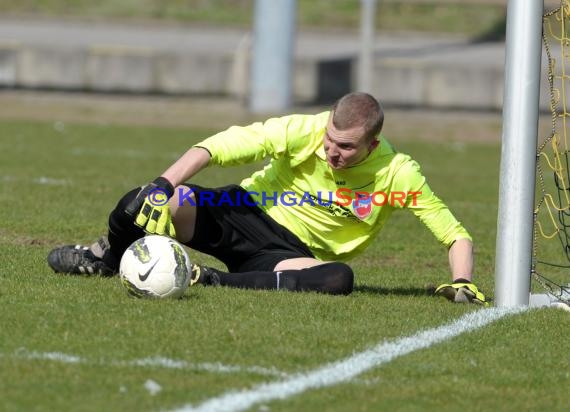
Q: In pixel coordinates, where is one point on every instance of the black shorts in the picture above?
(242, 236)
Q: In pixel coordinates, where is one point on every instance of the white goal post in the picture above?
(518, 152)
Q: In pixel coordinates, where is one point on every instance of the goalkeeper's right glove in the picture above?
(151, 208)
(461, 291)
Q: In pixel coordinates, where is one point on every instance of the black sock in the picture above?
(335, 278)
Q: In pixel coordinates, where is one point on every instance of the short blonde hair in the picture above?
(358, 109)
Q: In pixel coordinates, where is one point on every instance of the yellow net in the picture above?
(551, 245)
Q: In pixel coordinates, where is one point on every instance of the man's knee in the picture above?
(340, 279)
(335, 278)
(118, 218)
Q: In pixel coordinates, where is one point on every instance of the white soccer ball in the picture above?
(155, 266)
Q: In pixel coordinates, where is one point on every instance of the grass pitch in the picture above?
(70, 343)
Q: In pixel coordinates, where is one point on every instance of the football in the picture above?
(155, 267)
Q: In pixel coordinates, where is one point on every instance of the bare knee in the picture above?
(298, 263)
(183, 210)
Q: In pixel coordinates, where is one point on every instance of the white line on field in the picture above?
(346, 369)
(40, 180)
(209, 367)
(161, 362)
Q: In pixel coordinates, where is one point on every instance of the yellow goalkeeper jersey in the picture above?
(336, 213)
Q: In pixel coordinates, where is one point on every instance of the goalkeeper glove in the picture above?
(461, 291)
(151, 209)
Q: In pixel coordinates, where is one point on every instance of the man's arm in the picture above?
(150, 207)
(461, 290)
(449, 231)
(461, 259)
(194, 160)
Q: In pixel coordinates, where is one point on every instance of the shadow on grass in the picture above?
(399, 291)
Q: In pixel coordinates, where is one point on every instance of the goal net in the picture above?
(551, 242)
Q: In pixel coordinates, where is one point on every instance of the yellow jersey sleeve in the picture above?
(429, 208)
(291, 135)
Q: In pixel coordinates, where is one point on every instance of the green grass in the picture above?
(468, 18)
(58, 185)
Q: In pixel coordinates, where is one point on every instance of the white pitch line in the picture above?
(159, 362)
(53, 356)
(40, 180)
(344, 370)
(208, 367)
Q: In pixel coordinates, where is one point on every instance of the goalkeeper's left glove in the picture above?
(151, 208)
(461, 291)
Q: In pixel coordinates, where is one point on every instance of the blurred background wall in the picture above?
(425, 53)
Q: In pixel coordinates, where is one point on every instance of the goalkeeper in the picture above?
(296, 245)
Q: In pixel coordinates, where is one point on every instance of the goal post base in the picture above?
(539, 300)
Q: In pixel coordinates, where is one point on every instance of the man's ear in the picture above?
(373, 145)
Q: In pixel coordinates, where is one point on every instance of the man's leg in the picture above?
(313, 274)
(236, 235)
(103, 257)
(296, 274)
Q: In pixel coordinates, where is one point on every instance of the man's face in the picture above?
(345, 148)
